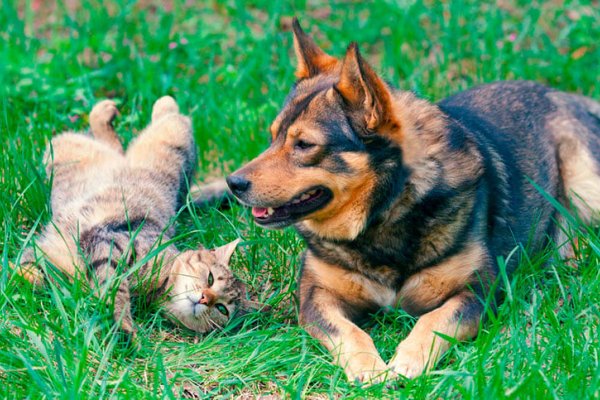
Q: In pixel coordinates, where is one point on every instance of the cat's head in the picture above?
(202, 293)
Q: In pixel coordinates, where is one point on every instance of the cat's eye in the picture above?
(222, 309)
(211, 279)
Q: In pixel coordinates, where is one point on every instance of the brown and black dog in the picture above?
(407, 203)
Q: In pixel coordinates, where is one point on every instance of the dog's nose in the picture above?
(238, 184)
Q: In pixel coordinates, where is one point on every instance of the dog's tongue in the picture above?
(259, 212)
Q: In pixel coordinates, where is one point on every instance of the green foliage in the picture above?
(230, 64)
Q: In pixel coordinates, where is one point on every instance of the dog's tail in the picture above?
(215, 193)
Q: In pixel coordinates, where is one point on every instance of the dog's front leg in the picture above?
(456, 318)
(323, 316)
(324, 313)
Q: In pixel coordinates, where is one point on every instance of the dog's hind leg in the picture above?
(580, 173)
(576, 130)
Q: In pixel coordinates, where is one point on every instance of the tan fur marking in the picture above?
(579, 171)
(350, 194)
(430, 287)
(580, 174)
(346, 215)
(354, 351)
(422, 127)
(350, 286)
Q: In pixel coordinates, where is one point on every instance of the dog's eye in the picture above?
(222, 309)
(211, 279)
(302, 145)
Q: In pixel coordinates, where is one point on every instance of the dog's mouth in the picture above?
(294, 210)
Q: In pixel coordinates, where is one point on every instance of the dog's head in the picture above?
(333, 144)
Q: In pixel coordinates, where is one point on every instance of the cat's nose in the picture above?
(208, 298)
(238, 184)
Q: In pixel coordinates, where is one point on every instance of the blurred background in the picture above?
(230, 63)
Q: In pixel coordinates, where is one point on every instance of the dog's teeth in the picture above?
(305, 197)
(295, 201)
(270, 211)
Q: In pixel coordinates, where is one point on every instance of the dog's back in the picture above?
(529, 132)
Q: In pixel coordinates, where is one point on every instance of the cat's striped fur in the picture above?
(112, 208)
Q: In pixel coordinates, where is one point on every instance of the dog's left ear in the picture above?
(312, 60)
(364, 91)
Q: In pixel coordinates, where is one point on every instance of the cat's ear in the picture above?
(224, 253)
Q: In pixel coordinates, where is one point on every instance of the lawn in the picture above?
(229, 65)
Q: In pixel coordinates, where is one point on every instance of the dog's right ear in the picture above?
(312, 60)
(366, 93)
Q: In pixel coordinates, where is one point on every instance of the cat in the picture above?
(111, 209)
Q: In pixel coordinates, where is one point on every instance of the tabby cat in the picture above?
(111, 209)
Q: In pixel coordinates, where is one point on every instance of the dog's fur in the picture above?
(410, 203)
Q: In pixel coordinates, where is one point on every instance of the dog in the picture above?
(406, 203)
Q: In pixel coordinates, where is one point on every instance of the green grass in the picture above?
(230, 64)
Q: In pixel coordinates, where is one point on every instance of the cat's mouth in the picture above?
(198, 309)
(296, 209)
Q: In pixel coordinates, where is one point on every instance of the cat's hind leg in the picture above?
(164, 106)
(76, 163)
(101, 124)
(166, 147)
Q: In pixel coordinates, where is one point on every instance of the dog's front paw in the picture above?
(366, 370)
(408, 363)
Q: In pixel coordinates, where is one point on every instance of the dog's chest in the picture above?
(375, 261)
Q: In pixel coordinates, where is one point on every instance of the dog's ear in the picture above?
(311, 59)
(365, 92)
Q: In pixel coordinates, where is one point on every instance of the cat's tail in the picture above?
(215, 193)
